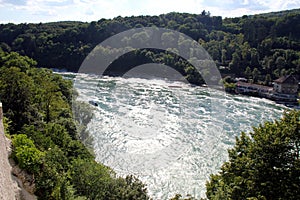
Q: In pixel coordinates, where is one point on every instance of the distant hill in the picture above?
(279, 13)
(249, 46)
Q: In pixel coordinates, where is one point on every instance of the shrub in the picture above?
(26, 154)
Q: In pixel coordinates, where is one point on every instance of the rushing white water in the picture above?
(169, 134)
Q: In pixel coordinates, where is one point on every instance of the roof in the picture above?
(256, 86)
(290, 79)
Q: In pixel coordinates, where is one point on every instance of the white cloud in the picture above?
(245, 2)
(91, 10)
(277, 5)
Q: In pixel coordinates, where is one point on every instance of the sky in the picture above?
(35, 11)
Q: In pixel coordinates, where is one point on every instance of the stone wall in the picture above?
(8, 187)
(11, 187)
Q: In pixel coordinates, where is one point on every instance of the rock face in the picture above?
(8, 188)
(11, 187)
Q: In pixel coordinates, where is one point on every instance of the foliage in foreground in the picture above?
(262, 165)
(37, 105)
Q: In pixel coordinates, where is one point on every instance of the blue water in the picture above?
(169, 134)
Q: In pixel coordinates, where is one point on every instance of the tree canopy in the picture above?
(45, 137)
(263, 164)
(268, 44)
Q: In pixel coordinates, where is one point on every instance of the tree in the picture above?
(262, 165)
(91, 179)
(14, 59)
(26, 154)
(52, 94)
(53, 173)
(168, 39)
(223, 56)
(248, 72)
(254, 58)
(129, 188)
(16, 92)
(235, 63)
(280, 62)
(255, 75)
(268, 79)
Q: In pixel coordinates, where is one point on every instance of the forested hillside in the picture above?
(260, 47)
(45, 137)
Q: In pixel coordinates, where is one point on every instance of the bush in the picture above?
(26, 154)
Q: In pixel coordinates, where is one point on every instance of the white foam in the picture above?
(170, 137)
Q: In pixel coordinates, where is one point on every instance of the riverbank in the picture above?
(284, 92)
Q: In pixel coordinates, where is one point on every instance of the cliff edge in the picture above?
(11, 187)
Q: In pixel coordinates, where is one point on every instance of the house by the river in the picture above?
(284, 90)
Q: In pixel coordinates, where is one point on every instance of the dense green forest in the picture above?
(45, 137)
(261, 47)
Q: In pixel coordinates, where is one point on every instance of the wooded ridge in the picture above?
(260, 47)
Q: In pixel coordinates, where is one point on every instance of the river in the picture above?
(171, 135)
